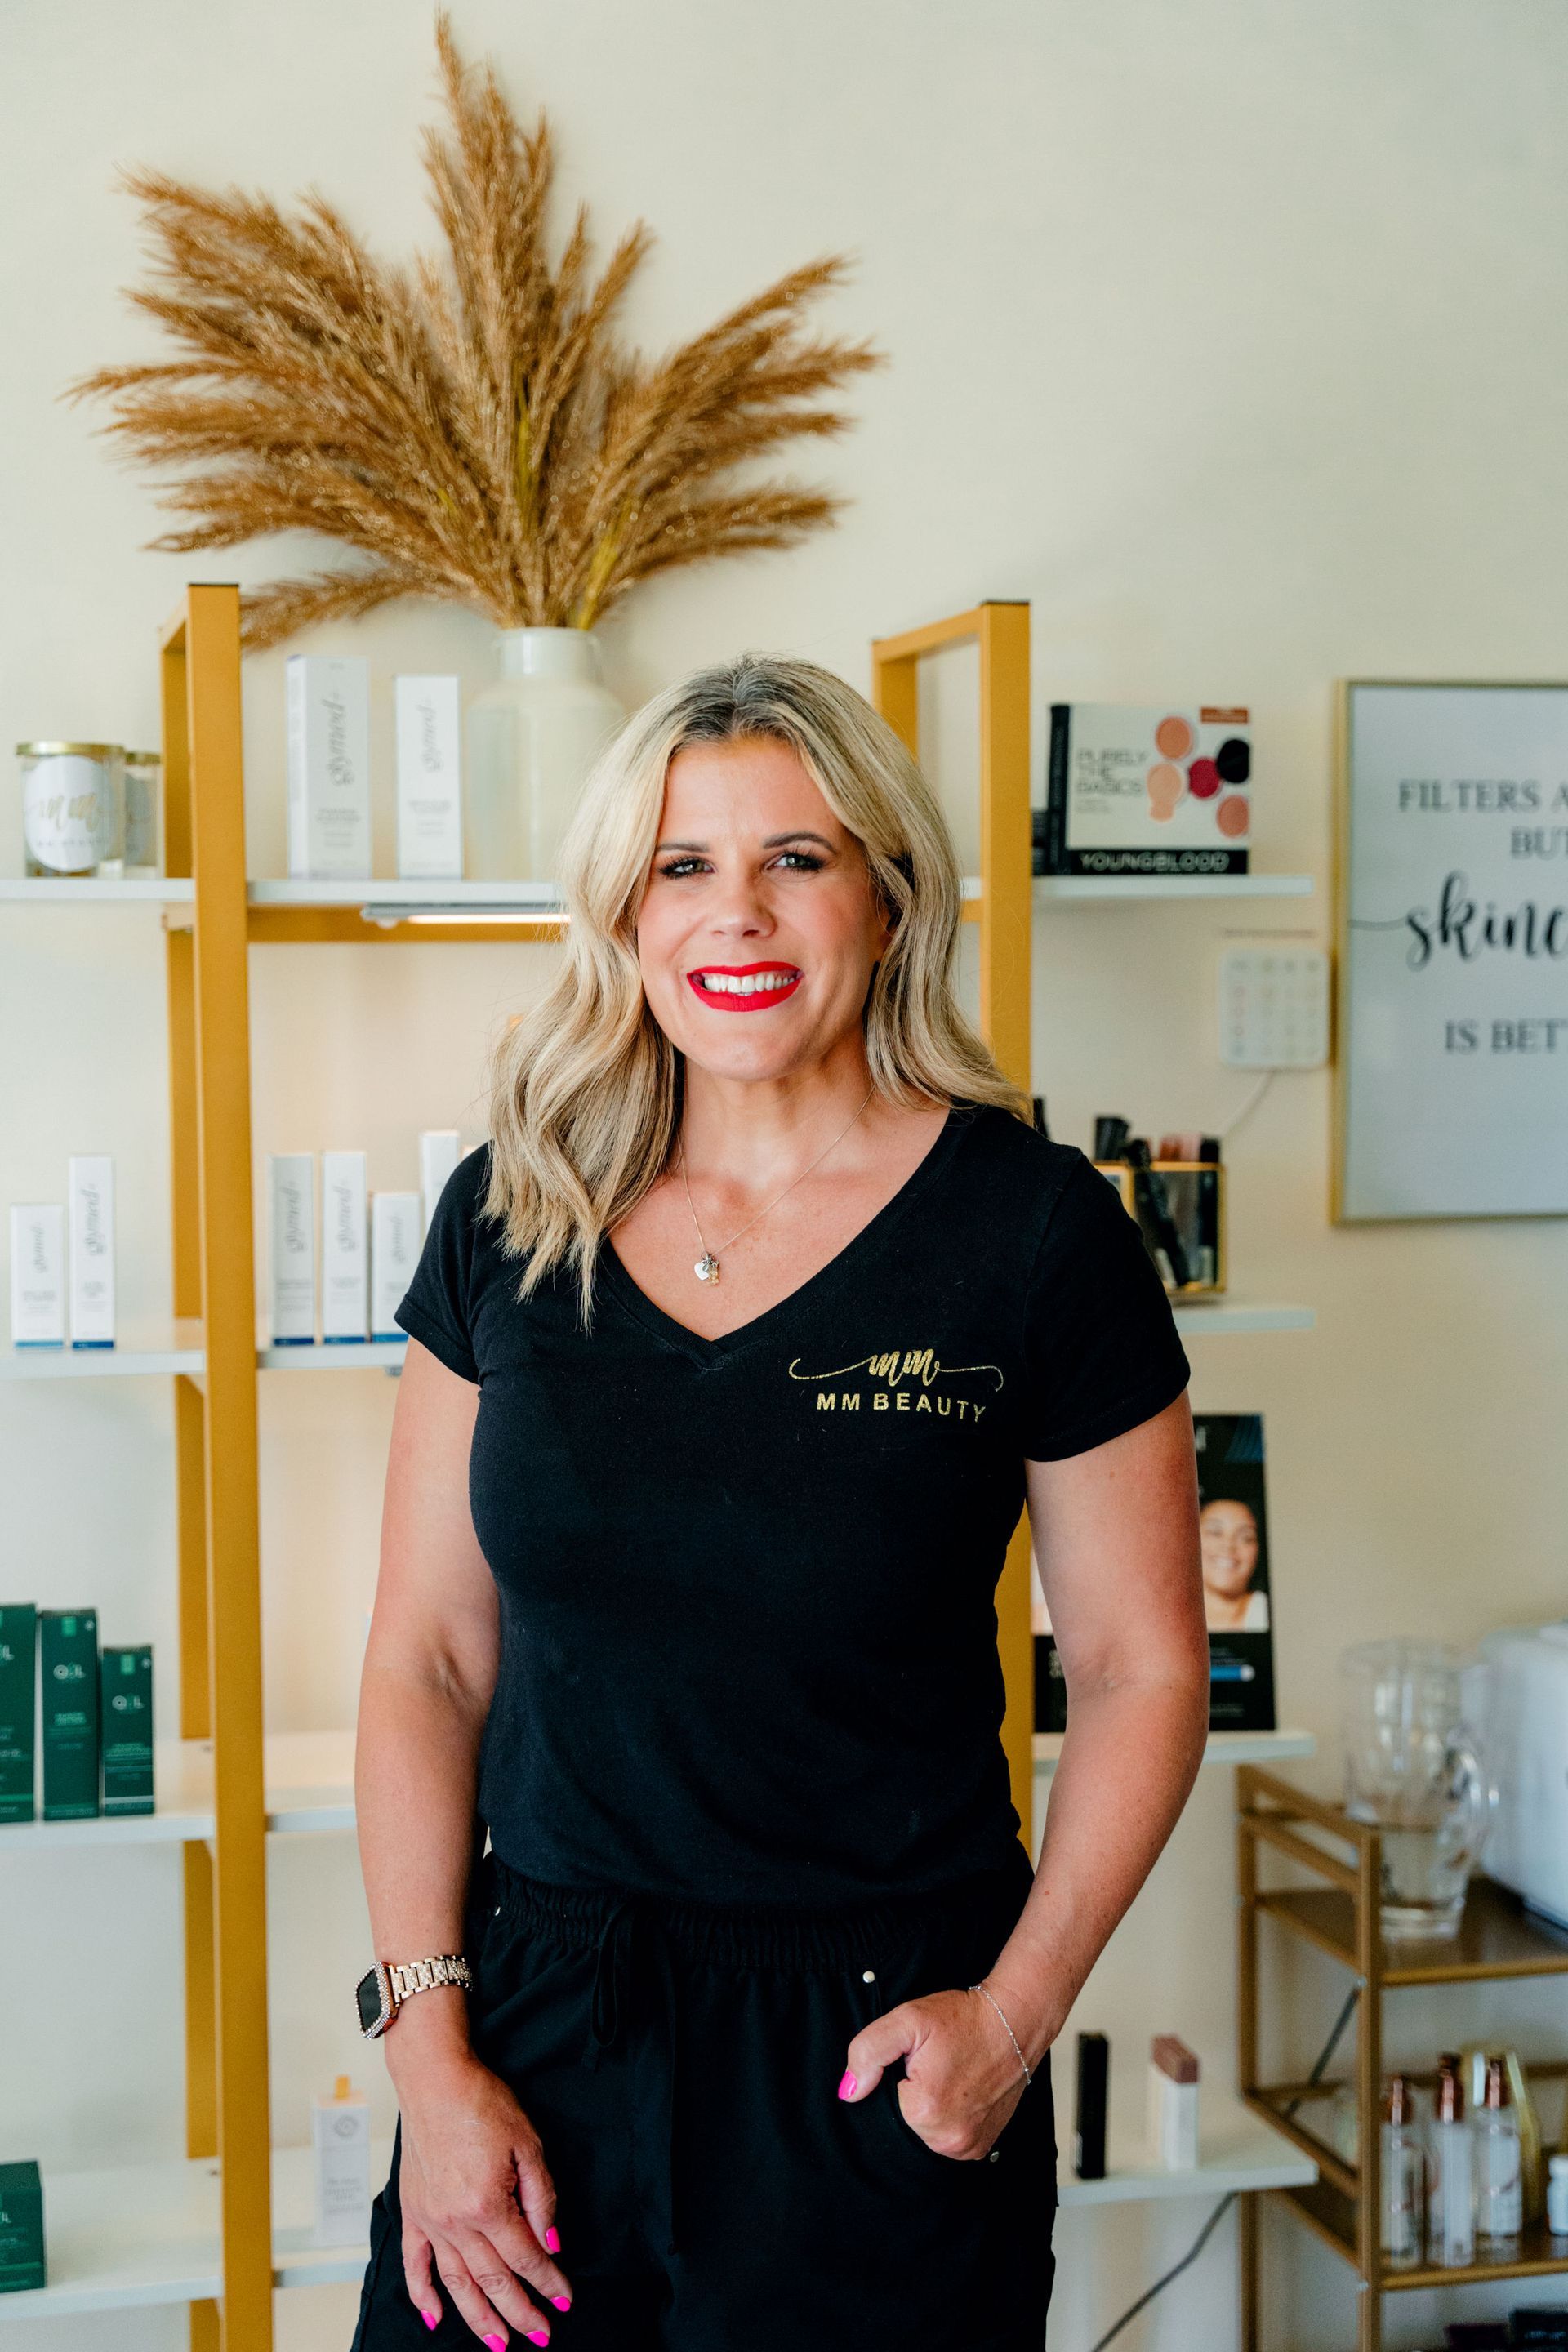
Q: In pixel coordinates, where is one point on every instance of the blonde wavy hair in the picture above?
(586, 1088)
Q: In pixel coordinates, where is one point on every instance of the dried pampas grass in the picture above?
(477, 434)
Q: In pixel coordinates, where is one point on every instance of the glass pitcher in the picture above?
(1413, 1766)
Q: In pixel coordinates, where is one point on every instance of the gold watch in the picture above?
(382, 1991)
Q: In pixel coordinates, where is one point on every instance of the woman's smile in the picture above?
(745, 987)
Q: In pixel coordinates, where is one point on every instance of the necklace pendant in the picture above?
(707, 1267)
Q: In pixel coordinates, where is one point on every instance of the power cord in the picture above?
(1225, 2202)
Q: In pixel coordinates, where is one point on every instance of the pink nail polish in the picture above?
(552, 2238)
(432, 2318)
(848, 2089)
(562, 2302)
(493, 2343)
(538, 2336)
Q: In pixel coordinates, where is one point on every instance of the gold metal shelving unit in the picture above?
(227, 2115)
(1339, 1915)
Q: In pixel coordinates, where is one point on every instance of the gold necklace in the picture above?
(707, 1266)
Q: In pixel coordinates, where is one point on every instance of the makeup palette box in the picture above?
(90, 1193)
(440, 1148)
(18, 1710)
(429, 796)
(346, 1253)
(291, 1260)
(126, 1690)
(22, 2260)
(38, 1275)
(68, 1707)
(1147, 788)
(329, 768)
(396, 1237)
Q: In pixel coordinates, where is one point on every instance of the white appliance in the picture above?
(1522, 1704)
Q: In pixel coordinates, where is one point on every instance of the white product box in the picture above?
(38, 1276)
(345, 1258)
(396, 1230)
(340, 2131)
(429, 795)
(440, 1148)
(92, 1211)
(291, 1199)
(1173, 2105)
(329, 768)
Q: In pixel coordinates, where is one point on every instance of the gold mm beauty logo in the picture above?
(897, 1381)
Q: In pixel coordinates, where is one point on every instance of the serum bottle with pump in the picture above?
(1500, 2187)
(1451, 2181)
(1404, 2177)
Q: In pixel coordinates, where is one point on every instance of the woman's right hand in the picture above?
(479, 2204)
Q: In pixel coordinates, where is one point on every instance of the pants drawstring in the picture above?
(629, 1927)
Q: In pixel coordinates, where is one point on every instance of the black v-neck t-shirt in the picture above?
(747, 1585)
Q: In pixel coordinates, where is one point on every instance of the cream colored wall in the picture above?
(1228, 332)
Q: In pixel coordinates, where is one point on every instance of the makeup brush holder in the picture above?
(1193, 1191)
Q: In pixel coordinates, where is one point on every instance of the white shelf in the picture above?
(343, 1355)
(310, 1793)
(1196, 1320)
(176, 1348)
(1236, 2152)
(1222, 1748)
(417, 897)
(149, 2234)
(1071, 887)
(143, 2235)
(167, 1348)
(161, 890)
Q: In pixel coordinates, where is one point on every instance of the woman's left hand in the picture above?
(959, 2087)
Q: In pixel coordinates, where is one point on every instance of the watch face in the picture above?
(375, 2008)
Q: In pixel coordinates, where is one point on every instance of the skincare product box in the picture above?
(1172, 2104)
(67, 1704)
(429, 800)
(396, 1235)
(291, 1266)
(38, 1276)
(18, 1716)
(91, 1198)
(1161, 788)
(440, 1148)
(126, 1688)
(22, 2263)
(329, 768)
(345, 1256)
(340, 2131)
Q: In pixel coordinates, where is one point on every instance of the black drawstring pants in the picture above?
(681, 2063)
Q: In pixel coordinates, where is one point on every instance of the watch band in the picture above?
(423, 1976)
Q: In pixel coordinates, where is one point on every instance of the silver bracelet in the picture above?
(1012, 2037)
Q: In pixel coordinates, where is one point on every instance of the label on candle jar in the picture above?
(65, 811)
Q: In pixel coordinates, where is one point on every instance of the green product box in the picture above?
(127, 1715)
(21, 2229)
(68, 1679)
(18, 1713)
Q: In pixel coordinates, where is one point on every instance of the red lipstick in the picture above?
(755, 999)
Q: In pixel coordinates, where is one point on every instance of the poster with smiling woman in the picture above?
(1233, 1529)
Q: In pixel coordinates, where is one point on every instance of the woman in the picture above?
(730, 1362)
(1229, 1548)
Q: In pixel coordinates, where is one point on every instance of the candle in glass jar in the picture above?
(73, 808)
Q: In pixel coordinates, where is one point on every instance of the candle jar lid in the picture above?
(68, 750)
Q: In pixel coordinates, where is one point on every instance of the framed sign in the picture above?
(1452, 915)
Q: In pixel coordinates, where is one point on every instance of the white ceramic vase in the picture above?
(532, 738)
